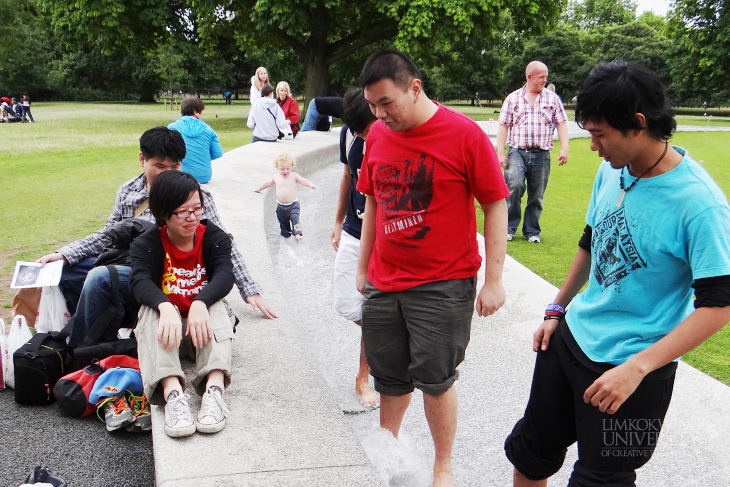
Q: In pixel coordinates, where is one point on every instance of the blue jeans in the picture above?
(529, 170)
(256, 139)
(312, 117)
(87, 291)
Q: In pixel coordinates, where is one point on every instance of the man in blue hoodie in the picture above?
(201, 142)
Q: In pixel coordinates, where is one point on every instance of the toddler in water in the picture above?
(287, 208)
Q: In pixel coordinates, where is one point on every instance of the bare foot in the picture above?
(299, 237)
(367, 396)
(443, 479)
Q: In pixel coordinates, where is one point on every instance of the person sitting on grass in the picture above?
(287, 208)
(181, 271)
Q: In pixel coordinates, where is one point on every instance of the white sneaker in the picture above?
(178, 418)
(509, 237)
(534, 239)
(213, 412)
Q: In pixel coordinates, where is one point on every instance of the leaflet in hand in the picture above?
(31, 274)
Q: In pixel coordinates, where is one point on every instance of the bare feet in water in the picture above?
(367, 396)
(443, 480)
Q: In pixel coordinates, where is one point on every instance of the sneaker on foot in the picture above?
(510, 236)
(213, 411)
(116, 411)
(178, 418)
(534, 239)
(141, 410)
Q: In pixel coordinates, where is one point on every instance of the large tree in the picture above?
(323, 32)
(121, 25)
(592, 14)
(700, 57)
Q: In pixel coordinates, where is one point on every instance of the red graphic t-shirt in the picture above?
(424, 182)
(183, 274)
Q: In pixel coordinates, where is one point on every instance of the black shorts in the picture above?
(610, 446)
(417, 337)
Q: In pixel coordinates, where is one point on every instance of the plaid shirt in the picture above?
(532, 126)
(129, 196)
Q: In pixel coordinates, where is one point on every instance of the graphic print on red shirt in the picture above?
(405, 192)
(183, 275)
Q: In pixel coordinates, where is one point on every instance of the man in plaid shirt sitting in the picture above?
(87, 289)
(528, 115)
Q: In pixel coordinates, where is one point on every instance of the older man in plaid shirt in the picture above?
(529, 115)
(87, 288)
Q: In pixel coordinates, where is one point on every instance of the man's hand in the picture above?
(502, 158)
(169, 327)
(491, 298)
(541, 338)
(258, 303)
(336, 235)
(613, 387)
(52, 258)
(563, 156)
(199, 327)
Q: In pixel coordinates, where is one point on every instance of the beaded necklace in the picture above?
(621, 178)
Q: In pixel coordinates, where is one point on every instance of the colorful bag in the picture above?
(72, 391)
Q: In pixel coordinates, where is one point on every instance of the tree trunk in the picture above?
(316, 80)
(147, 92)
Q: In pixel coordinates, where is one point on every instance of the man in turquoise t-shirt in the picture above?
(657, 227)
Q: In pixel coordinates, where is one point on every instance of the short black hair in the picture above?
(616, 91)
(389, 64)
(267, 89)
(356, 113)
(162, 142)
(190, 105)
(170, 190)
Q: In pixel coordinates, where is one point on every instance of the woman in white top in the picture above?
(257, 81)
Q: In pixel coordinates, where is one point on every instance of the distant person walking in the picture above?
(25, 106)
(201, 142)
(528, 115)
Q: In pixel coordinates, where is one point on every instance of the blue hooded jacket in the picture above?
(201, 145)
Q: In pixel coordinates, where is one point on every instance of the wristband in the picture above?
(550, 317)
(555, 309)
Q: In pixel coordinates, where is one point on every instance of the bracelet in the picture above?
(550, 317)
(555, 309)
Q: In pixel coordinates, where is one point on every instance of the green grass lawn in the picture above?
(60, 175)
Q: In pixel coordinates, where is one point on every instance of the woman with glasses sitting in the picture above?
(181, 271)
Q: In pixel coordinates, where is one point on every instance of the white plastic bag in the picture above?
(3, 347)
(19, 335)
(52, 311)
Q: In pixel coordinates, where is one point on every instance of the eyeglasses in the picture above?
(183, 214)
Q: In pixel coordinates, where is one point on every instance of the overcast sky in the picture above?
(659, 7)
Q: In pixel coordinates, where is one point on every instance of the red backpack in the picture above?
(72, 390)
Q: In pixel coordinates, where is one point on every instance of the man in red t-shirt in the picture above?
(424, 165)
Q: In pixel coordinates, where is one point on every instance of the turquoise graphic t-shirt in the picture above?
(668, 231)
